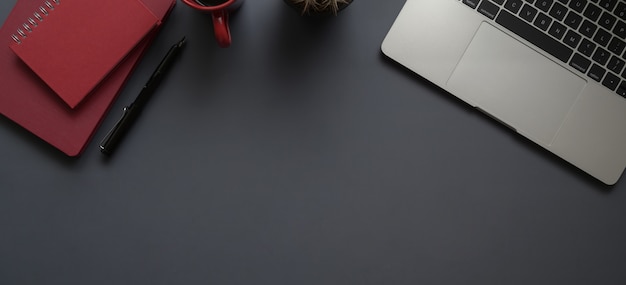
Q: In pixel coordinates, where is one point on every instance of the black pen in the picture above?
(132, 111)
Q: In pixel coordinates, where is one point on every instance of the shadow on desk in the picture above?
(531, 147)
(302, 42)
(36, 144)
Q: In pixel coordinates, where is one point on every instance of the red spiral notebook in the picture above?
(28, 101)
(73, 44)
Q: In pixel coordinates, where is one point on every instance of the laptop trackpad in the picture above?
(515, 84)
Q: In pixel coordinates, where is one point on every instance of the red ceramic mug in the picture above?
(219, 10)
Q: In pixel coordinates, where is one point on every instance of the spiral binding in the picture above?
(26, 28)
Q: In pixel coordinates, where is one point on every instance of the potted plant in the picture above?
(318, 7)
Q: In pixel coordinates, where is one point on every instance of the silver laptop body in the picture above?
(484, 53)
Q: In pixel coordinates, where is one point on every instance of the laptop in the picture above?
(551, 70)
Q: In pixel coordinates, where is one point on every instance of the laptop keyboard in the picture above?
(589, 35)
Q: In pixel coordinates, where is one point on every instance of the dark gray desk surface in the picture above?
(301, 155)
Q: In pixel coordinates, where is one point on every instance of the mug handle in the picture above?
(220, 27)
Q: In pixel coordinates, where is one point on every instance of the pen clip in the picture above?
(107, 139)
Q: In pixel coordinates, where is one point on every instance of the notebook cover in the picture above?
(79, 42)
(27, 101)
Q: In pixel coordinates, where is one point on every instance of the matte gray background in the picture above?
(301, 155)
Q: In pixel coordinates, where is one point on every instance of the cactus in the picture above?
(318, 7)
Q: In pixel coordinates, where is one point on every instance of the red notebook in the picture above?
(29, 102)
(73, 44)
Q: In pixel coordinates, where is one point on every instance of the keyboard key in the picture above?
(602, 37)
(544, 5)
(611, 81)
(620, 29)
(499, 2)
(608, 4)
(488, 9)
(472, 3)
(557, 30)
(615, 65)
(607, 21)
(513, 5)
(601, 56)
(558, 11)
(588, 28)
(543, 21)
(535, 36)
(592, 12)
(528, 13)
(580, 63)
(578, 5)
(572, 39)
(617, 46)
(620, 11)
(573, 20)
(596, 72)
(587, 47)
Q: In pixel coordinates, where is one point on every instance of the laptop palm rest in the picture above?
(508, 80)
